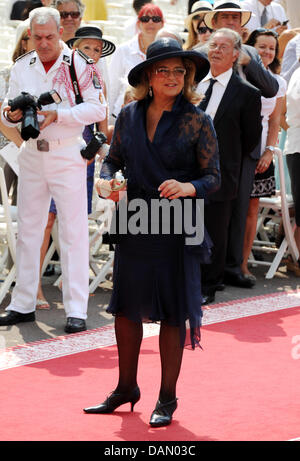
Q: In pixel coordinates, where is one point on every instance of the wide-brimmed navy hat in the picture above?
(96, 33)
(166, 48)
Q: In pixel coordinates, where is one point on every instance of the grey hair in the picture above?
(80, 5)
(164, 32)
(43, 15)
(233, 36)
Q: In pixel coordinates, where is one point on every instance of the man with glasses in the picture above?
(71, 13)
(233, 16)
(235, 108)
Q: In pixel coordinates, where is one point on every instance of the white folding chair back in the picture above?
(275, 209)
(8, 232)
(100, 259)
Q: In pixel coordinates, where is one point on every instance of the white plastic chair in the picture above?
(8, 232)
(100, 259)
(275, 209)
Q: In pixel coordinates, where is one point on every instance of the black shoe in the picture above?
(115, 400)
(75, 325)
(238, 280)
(13, 317)
(220, 287)
(162, 415)
(208, 299)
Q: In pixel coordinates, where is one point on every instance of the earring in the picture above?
(150, 91)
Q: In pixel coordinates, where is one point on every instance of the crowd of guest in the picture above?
(250, 93)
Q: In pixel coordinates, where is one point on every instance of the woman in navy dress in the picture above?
(167, 149)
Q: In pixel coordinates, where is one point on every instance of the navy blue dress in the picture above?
(157, 276)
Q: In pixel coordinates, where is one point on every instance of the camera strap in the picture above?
(74, 79)
(78, 97)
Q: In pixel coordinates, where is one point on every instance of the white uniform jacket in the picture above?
(28, 74)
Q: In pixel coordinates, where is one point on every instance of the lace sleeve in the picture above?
(207, 157)
(114, 160)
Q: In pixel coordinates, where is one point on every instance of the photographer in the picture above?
(51, 165)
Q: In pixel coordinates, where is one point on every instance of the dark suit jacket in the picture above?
(238, 126)
(256, 74)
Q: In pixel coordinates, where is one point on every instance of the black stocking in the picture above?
(129, 336)
(171, 357)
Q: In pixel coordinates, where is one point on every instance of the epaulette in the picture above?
(85, 57)
(23, 55)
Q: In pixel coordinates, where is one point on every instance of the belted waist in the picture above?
(44, 145)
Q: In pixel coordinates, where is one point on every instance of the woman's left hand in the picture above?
(173, 189)
(264, 162)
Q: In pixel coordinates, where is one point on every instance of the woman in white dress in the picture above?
(266, 43)
(149, 21)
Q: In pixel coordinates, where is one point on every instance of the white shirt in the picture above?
(292, 144)
(126, 56)
(291, 58)
(274, 11)
(267, 108)
(292, 10)
(28, 74)
(217, 91)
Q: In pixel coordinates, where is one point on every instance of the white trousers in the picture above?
(60, 174)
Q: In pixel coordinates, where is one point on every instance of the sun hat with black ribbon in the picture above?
(166, 48)
(96, 33)
(198, 8)
(225, 6)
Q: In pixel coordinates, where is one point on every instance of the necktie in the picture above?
(263, 18)
(204, 103)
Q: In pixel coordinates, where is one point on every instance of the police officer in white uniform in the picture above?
(52, 166)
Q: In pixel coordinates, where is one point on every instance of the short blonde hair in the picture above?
(192, 38)
(19, 50)
(142, 89)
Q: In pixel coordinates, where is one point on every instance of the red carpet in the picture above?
(244, 385)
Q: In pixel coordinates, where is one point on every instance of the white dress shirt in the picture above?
(217, 91)
(292, 10)
(292, 144)
(291, 58)
(122, 61)
(274, 11)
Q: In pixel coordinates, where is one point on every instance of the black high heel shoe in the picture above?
(114, 400)
(162, 414)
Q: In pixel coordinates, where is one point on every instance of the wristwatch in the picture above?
(271, 148)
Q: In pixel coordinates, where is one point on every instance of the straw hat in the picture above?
(198, 8)
(225, 6)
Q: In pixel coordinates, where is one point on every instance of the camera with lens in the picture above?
(29, 105)
(94, 145)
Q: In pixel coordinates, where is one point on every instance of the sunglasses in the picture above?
(147, 18)
(73, 14)
(262, 30)
(163, 72)
(203, 30)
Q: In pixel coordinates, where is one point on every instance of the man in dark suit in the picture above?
(231, 15)
(235, 107)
